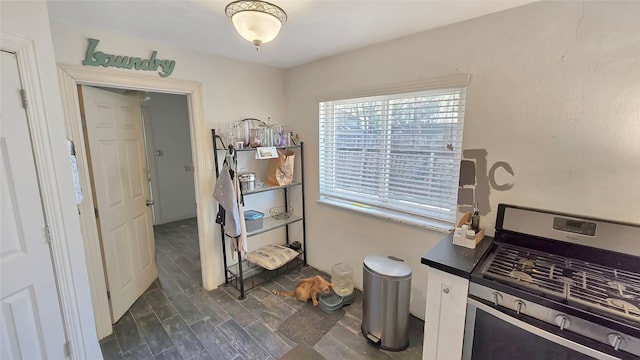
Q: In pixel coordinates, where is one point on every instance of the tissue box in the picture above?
(253, 220)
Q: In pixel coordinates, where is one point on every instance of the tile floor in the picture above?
(177, 319)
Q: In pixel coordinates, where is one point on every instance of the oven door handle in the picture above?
(541, 333)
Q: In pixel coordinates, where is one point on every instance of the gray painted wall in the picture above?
(174, 191)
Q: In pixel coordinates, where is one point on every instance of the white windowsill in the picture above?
(400, 218)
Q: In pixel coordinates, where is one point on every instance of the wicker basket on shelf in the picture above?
(280, 212)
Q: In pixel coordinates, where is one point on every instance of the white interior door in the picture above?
(119, 174)
(30, 317)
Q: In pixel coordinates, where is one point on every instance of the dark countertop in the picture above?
(454, 259)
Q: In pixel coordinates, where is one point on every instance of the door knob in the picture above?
(150, 202)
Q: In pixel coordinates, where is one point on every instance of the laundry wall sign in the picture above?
(98, 58)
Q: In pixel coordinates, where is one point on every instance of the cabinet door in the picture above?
(444, 316)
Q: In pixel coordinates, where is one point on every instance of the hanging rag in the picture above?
(241, 240)
(225, 194)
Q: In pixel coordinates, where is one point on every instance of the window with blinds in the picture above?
(398, 154)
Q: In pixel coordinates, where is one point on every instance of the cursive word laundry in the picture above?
(98, 58)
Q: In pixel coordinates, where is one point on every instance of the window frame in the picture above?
(390, 93)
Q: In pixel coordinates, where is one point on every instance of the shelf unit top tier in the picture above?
(254, 149)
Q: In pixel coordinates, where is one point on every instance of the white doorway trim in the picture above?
(78, 324)
(72, 76)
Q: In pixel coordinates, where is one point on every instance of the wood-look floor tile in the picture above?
(166, 283)
(268, 339)
(140, 308)
(416, 333)
(108, 337)
(260, 294)
(191, 268)
(242, 341)
(356, 342)
(111, 350)
(217, 292)
(294, 276)
(154, 333)
(186, 308)
(237, 312)
(180, 277)
(332, 348)
(302, 351)
(286, 283)
(182, 336)
(160, 304)
(152, 287)
(127, 333)
(213, 340)
(270, 286)
(140, 353)
(170, 354)
(199, 295)
(271, 318)
(204, 355)
(407, 354)
(210, 308)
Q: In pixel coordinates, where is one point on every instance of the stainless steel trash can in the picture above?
(386, 287)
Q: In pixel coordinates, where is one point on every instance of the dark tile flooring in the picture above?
(177, 319)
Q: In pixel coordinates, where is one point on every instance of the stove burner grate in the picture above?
(526, 268)
(628, 308)
(604, 289)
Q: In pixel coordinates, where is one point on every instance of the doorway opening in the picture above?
(139, 150)
(74, 76)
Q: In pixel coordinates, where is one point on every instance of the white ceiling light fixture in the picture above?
(257, 21)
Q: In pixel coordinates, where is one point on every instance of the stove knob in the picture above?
(520, 306)
(496, 298)
(562, 321)
(615, 340)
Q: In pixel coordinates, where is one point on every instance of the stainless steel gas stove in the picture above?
(556, 286)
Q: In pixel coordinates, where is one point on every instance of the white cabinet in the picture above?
(444, 316)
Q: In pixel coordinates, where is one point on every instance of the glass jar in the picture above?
(276, 133)
(242, 133)
(342, 279)
(255, 137)
(267, 139)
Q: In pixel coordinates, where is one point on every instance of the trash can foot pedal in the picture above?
(373, 339)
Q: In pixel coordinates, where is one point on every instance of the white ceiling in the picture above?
(315, 28)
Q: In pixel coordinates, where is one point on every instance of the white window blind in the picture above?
(399, 153)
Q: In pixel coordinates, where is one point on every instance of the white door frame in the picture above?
(70, 77)
(78, 325)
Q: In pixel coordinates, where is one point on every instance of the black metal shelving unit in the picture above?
(244, 275)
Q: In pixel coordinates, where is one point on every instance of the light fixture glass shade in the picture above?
(257, 27)
(257, 21)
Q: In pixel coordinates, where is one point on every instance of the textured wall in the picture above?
(554, 93)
